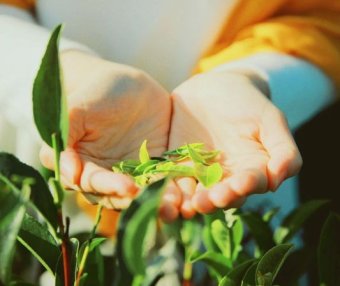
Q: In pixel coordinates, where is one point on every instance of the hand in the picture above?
(112, 109)
(229, 112)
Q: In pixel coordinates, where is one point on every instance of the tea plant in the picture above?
(227, 248)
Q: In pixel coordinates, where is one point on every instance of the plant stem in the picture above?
(57, 151)
(87, 248)
(56, 143)
(64, 249)
(187, 274)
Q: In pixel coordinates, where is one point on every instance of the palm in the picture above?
(235, 118)
(112, 109)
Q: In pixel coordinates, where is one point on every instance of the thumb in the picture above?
(70, 164)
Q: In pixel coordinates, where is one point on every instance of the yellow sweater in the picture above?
(309, 29)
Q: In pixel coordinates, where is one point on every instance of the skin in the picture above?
(230, 112)
(113, 108)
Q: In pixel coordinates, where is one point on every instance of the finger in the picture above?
(96, 179)
(115, 203)
(172, 194)
(168, 212)
(108, 202)
(70, 164)
(285, 159)
(222, 196)
(187, 185)
(247, 181)
(70, 167)
(201, 202)
(46, 156)
(187, 209)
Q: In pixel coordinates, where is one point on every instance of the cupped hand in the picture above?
(112, 109)
(231, 113)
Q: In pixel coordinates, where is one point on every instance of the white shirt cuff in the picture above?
(297, 87)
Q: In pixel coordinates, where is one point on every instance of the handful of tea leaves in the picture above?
(204, 167)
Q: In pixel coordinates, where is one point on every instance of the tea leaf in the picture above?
(209, 175)
(143, 153)
(249, 277)
(234, 277)
(294, 221)
(260, 230)
(267, 217)
(49, 104)
(40, 193)
(39, 241)
(329, 252)
(215, 261)
(195, 156)
(270, 264)
(221, 236)
(143, 167)
(131, 232)
(14, 205)
(173, 169)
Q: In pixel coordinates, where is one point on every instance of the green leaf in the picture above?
(132, 229)
(249, 277)
(94, 272)
(126, 166)
(222, 237)
(40, 242)
(237, 236)
(207, 237)
(172, 169)
(295, 220)
(329, 252)
(228, 238)
(267, 217)
(144, 167)
(234, 277)
(215, 261)
(183, 150)
(14, 205)
(143, 153)
(208, 175)
(270, 264)
(40, 194)
(49, 106)
(73, 251)
(260, 230)
(195, 156)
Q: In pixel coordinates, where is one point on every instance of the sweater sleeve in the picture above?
(305, 29)
(294, 46)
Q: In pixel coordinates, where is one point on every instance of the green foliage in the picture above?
(235, 276)
(49, 103)
(219, 241)
(260, 230)
(11, 167)
(146, 170)
(12, 210)
(329, 252)
(132, 229)
(295, 220)
(40, 242)
(270, 264)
